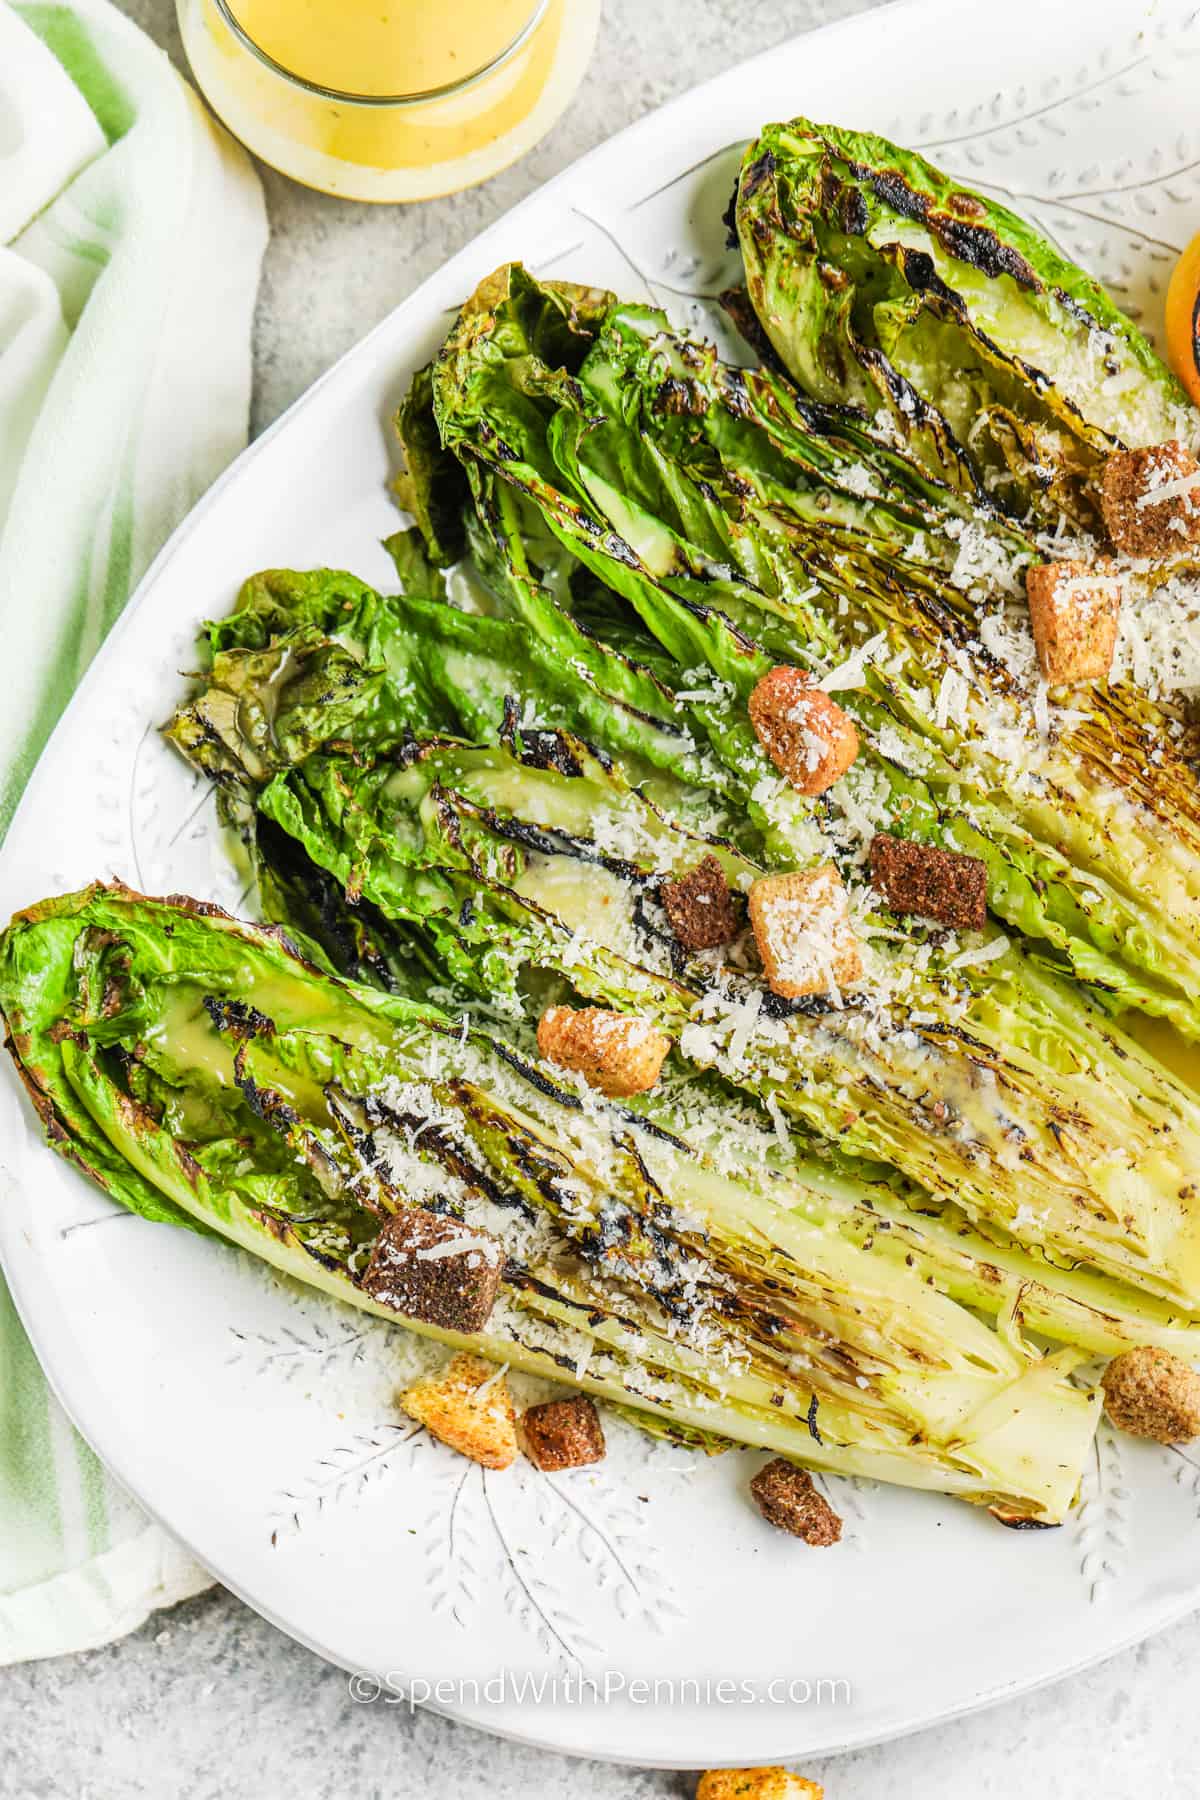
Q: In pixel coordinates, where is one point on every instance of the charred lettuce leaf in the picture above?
(1006, 370)
(202, 1071)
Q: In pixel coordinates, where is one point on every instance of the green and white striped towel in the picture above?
(131, 238)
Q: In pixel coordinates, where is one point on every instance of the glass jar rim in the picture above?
(348, 98)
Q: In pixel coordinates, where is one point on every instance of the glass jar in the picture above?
(308, 85)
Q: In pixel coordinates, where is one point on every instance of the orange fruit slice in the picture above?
(1183, 319)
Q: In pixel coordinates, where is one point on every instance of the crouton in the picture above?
(802, 928)
(1153, 1395)
(756, 1784)
(563, 1434)
(1151, 499)
(808, 737)
(466, 1404)
(699, 906)
(618, 1054)
(937, 884)
(786, 1497)
(434, 1268)
(1073, 609)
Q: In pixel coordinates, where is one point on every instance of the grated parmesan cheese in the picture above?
(976, 957)
(852, 673)
(460, 1246)
(953, 695)
(779, 1122)
(1177, 489)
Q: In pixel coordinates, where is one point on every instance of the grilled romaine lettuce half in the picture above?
(976, 1078)
(743, 526)
(203, 1072)
(1007, 372)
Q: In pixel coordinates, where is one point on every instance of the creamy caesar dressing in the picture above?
(399, 47)
(1167, 1045)
(350, 132)
(587, 899)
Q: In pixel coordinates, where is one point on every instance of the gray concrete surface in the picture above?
(212, 1702)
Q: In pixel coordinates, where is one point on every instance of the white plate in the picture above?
(257, 1422)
